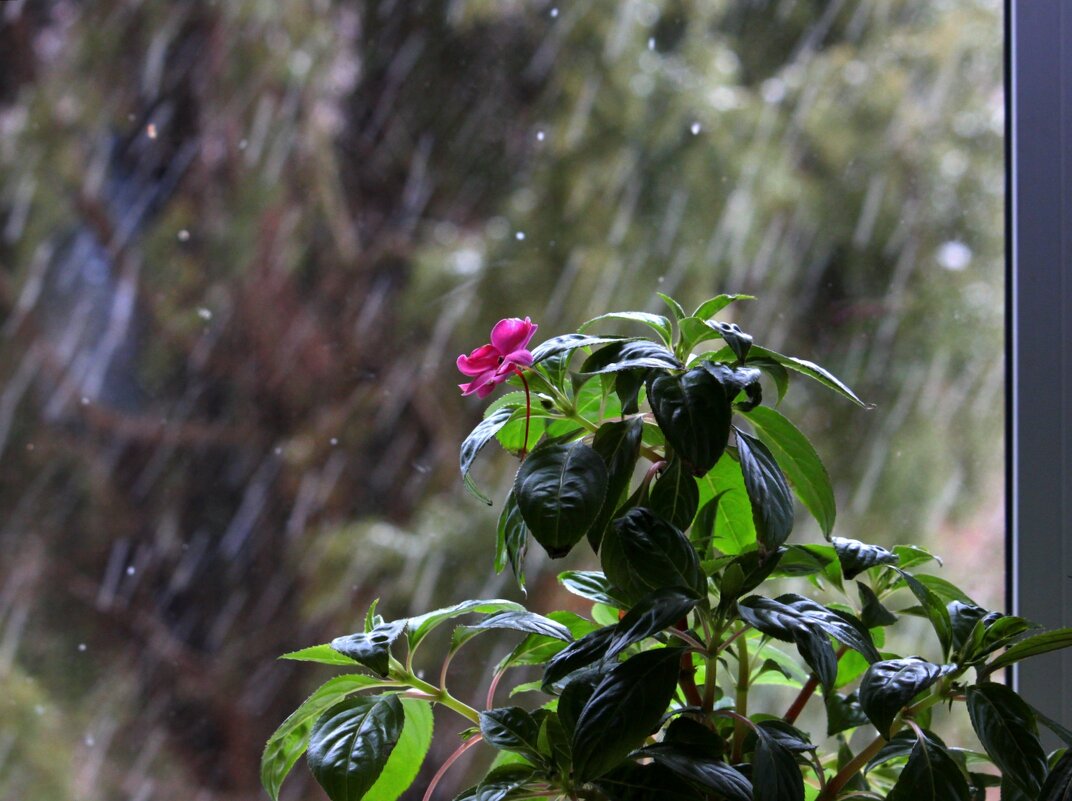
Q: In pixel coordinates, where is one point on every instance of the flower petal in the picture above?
(512, 334)
(522, 358)
(484, 358)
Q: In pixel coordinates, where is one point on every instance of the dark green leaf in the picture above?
(372, 649)
(656, 322)
(873, 614)
(743, 574)
(625, 707)
(772, 502)
(1058, 785)
(627, 386)
(802, 466)
(629, 355)
(694, 414)
(406, 758)
(479, 437)
(810, 369)
(511, 541)
(695, 330)
(898, 746)
(1031, 646)
(791, 738)
(650, 615)
(843, 712)
(590, 584)
(1064, 734)
(529, 622)
(775, 775)
(963, 618)
(574, 697)
(856, 556)
(350, 744)
(578, 654)
(567, 343)
(990, 634)
(842, 626)
(697, 765)
(930, 774)
(501, 783)
(653, 782)
(560, 490)
(737, 340)
(642, 553)
(537, 649)
(417, 628)
(618, 443)
(783, 622)
(735, 380)
(675, 496)
(511, 728)
(934, 609)
(888, 686)
(290, 740)
(1007, 730)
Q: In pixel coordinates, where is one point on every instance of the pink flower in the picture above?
(490, 365)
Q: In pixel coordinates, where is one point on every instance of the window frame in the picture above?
(1038, 63)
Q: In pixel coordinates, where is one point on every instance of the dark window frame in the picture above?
(1039, 341)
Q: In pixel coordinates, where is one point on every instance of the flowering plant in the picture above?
(663, 456)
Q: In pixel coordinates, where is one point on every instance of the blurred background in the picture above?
(242, 242)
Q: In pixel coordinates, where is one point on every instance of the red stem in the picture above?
(428, 794)
(806, 692)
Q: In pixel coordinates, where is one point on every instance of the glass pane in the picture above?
(242, 243)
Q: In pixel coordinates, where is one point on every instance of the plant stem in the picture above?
(806, 692)
(438, 694)
(743, 672)
(429, 793)
(854, 766)
(528, 413)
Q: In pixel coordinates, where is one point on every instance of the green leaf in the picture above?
(736, 380)
(843, 712)
(930, 774)
(501, 783)
(674, 307)
(656, 322)
(568, 343)
(810, 369)
(695, 330)
(537, 649)
(511, 541)
(888, 686)
(842, 626)
(642, 553)
(934, 609)
(651, 782)
(528, 622)
(675, 496)
(801, 464)
(963, 618)
(743, 574)
(618, 443)
(697, 765)
(408, 755)
(628, 355)
(350, 744)
(775, 775)
(290, 740)
(1006, 728)
(485, 430)
(913, 556)
(897, 747)
(625, 707)
(373, 648)
(989, 635)
(856, 556)
(560, 491)
(580, 653)
(785, 623)
(511, 728)
(772, 502)
(734, 530)
(873, 614)
(694, 414)
(1058, 785)
(627, 386)
(590, 584)
(324, 654)
(650, 615)
(417, 628)
(709, 308)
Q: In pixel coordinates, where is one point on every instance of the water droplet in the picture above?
(243, 144)
(131, 570)
(954, 255)
(651, 43)
(39, 710)
(85, 401)
(540, 136)
(554, 13)
(184, 235)
(89, 741)
(150, 131)
(278, 451)
(334, 440)
(82, 647)
(204, 314)
(695, 128)
(29, 446)
(519, 236)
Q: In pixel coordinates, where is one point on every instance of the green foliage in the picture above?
(662, 693)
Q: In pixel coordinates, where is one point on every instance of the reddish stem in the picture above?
(686, 677)
(528, 413)
(806, 692)
(429, 793)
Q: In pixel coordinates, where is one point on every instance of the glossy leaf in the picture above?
(840, 625)
(1031, 646)
(560, 490)
(511, 728)
(872, 613)
(775, 774)
(511, 541)
(650, 615)
(652, 782)
(1006, 727)
(417, 628)
(642, 553)
(856, 556)
(743, 574)
(694, 413)
(783, 622)
(1058, 785)
(768, 491)
(624, 708)
(407, 756)
(675, 496)
(737, 340)
(800, 463)
(930, 774)
(373, 648)
(843, 712)
(290, 740)
(888, 686)
(501, 783)
(697, 765)
(656, 322)
(568, 343)
(675, 308)
(578, 654)
(630, 354)
(350, 744)
(528, 622)
(934, 609)
(590, 584)
(734, 380)
(709, 308)
(484, 432)
(618, 444)
(536, 649)
(897, 747)
(810, 369)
